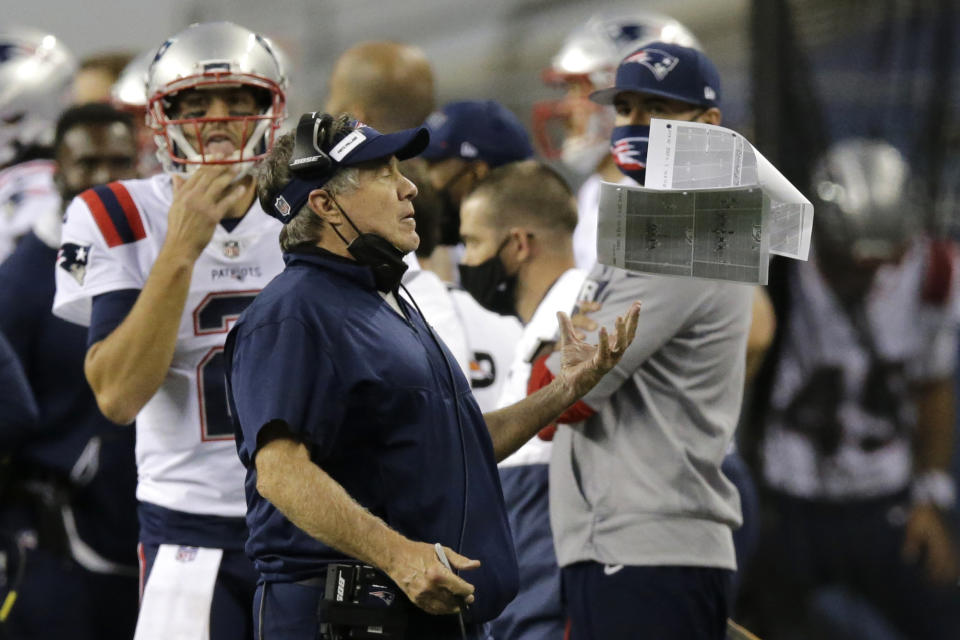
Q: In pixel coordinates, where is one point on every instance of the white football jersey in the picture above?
(26, 191)
(841, 418)
(588, 214)
(491, 340)
(186, 457)
(541, 329)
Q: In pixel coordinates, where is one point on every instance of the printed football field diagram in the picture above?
(704, 234)
(710, 158)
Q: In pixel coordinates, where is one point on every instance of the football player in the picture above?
(35, 75)
(70, 479)
(159, 269)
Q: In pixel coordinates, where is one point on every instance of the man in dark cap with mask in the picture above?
(467, 140)
(371, 473)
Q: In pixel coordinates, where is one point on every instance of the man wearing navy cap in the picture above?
(467, 139)
(641, 513)
(371, 473)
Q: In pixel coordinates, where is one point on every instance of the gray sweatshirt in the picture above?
(639, 483)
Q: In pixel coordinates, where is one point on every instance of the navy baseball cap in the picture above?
(312, 166)
(477, 130)
(666, 70)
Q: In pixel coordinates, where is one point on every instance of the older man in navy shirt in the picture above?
(362, 440)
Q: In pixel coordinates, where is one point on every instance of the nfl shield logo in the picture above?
(186, 554)
(282, 206)
(231, 248)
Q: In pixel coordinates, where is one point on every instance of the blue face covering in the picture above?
(628, 144)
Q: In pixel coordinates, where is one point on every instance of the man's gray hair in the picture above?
(273, 174)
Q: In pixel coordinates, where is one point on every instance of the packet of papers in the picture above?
(712, 207)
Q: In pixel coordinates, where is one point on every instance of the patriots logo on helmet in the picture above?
(658, 61)
(626, 154)
(624, 34)
(73, 258)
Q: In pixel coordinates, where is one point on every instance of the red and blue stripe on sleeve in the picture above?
(115, 213)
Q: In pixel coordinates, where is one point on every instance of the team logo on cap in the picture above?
(467, 150)
(282, 206)
(659, 62)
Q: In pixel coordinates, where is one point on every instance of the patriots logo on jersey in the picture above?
(73, 258)
(658, 61)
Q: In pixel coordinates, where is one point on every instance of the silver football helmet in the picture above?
(36, 70)
(129, 92)
(214, 55)
(862, 194)
(588, 61)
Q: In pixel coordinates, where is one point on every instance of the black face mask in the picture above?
(376, 252)
(490, 285)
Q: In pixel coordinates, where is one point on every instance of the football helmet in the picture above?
(214, 55)
(573, 128)
(35, 75)
(129, 94)
(866, 204)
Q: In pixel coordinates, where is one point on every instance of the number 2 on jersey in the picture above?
(215, 314)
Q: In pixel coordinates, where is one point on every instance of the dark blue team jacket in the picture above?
(52, 353)
(375, 399)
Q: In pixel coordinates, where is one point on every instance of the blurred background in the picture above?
(798, 76)
(820, 69)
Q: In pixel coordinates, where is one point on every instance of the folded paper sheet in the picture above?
(712, 207)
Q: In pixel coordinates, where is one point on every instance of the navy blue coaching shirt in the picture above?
(370, 394)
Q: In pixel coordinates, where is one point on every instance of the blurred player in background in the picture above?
(857, 417)
(576, 130)
(35, 75)
(72, 478)
(129, 93)
(159, 268)
(388, 85)
(96, 76)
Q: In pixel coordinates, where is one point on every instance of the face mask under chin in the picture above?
(378, 253)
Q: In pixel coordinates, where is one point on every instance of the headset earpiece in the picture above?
(309, 156)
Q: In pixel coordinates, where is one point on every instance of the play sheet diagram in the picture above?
(712, 207)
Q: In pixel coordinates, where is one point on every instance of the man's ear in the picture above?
(522, 240)
(321, 203)
(711, 116)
